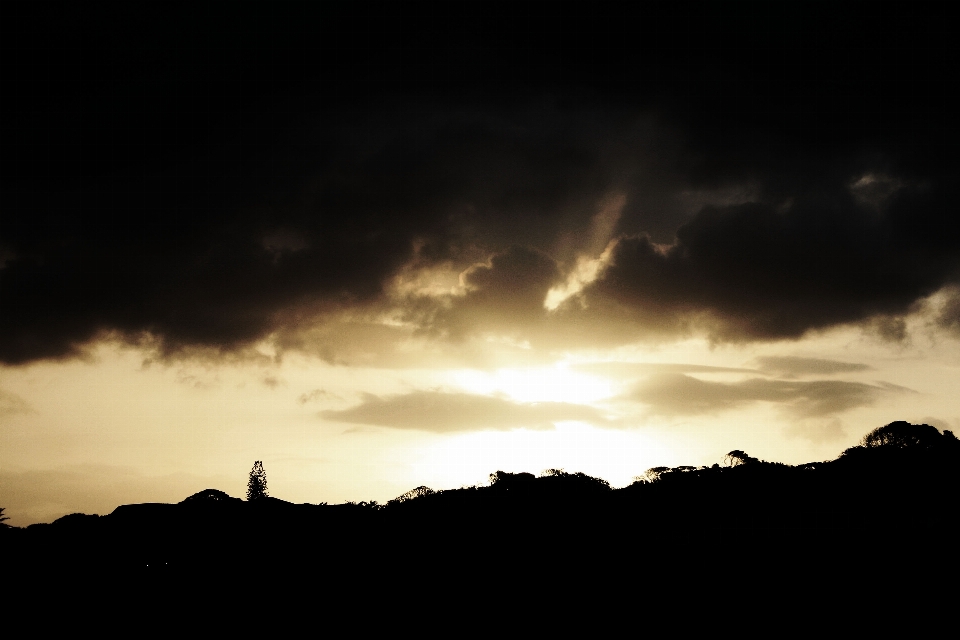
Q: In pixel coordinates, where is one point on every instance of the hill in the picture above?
(886, 508)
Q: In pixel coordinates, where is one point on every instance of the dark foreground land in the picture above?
(882, 516)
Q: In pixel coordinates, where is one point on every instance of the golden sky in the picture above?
(375, 264)
(115, 426)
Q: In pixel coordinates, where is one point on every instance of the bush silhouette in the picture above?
(413, 494)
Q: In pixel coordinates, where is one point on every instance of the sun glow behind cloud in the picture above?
(558, 383)
(584, 273)
(212, 419)
(597, 252)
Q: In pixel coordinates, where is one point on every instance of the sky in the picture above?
(378, 246)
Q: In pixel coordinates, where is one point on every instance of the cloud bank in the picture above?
(455, 412)
(242, 198)
(797, 366)
(682, 395)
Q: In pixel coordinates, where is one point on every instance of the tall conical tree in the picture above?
(257, 484)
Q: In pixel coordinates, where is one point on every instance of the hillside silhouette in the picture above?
(884, 510)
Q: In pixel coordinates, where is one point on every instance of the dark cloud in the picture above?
(797, 366)
(948, 316)
(199, 228)
(677, 394)
(263, 169)
(455, 412)
(791, 262)
(890, 328)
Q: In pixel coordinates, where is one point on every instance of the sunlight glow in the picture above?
(536, 384)
(614, 455)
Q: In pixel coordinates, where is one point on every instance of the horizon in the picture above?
(385, 249)
(730, 460)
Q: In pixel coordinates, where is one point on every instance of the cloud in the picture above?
(788, 263)
(409, 337)
(635, 369)
(677, 394)
(219, 230)
(456, 412)
(504, 295)
(315, 395)
(948, 314)
(12, 404)
(272, 382)
(797, 366)
(217, 218)
(890, 328)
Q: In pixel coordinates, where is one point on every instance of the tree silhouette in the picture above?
(3, 525)
(653, 474)
(736, 458)
(257, 484)
(901, 434)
